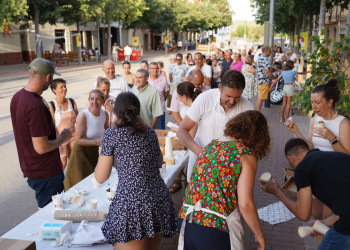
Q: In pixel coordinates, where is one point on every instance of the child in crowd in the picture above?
(288, 76)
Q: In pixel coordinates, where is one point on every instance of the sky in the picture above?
(242, 10)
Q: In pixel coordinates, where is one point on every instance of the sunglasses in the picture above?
(191, 64)
(178, 59)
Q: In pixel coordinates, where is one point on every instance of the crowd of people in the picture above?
(209, 99)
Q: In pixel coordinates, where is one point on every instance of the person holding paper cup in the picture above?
(221, 188)
(328, 131)
(326, 176)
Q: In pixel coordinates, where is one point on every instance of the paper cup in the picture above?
(304, 231)
(319, 125)
(265, 176)
(91, 204)
(95, 184)
(111, 193)
(57, 201)
(320, 227)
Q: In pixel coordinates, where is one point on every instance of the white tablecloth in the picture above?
(27, 229)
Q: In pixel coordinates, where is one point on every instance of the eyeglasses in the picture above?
(153, 68)
(191, 64)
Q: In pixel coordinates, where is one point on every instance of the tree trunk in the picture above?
(80, 61)
(109, 45)
(322, 16)
(297, 30)
(36, 24)
(309, 41)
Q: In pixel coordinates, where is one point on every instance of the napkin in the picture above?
(87, 235)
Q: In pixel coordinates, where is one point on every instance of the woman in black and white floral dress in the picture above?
(251, 89)
(142, 210)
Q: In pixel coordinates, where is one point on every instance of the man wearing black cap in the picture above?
(35, 134)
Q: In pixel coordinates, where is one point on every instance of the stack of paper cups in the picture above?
(304, 231)
(168, 148)
(320, 227)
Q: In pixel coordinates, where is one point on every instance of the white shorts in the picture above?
(288, 90)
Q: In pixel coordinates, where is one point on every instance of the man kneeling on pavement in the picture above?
(326, 176)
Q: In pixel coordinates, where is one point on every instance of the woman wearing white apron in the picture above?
(224, 171)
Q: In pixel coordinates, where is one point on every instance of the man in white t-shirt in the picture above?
(212, 110)
(127, 52)
(204, 68)
(118, 83)
(179, 45)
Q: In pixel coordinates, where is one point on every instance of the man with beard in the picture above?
(35, 134)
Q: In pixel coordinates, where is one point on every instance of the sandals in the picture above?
(282, 120)
(176, 186)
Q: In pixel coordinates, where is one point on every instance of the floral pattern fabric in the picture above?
(251, 89)
(214, 181)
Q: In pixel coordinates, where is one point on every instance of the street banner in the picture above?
(166, 40)
(303, 41)
(135, 41)
(78, 37)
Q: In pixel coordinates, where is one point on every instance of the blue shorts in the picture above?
(199, 237)
(333, 240)
(46, 188)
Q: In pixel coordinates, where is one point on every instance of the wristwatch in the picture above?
(334, 141)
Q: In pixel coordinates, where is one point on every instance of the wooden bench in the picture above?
(60, 58)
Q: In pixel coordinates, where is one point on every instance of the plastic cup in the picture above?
(111, 193)
(320, 227)
(91, 204)
(304, 231)
(57, 201)
(265, 176)
(95, 184)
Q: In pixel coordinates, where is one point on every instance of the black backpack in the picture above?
(54, 107)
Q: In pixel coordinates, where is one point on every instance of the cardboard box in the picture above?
(11, 244)
(289, 187)
(177, 144)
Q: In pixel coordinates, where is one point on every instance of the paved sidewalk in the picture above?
(283, 236)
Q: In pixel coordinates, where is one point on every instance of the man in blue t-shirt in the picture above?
(326, 176)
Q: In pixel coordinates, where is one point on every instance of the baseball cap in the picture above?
(42, 66)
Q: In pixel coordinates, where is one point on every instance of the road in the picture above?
(17, 199)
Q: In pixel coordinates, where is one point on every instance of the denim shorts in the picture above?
(333, 240)
(46, 188)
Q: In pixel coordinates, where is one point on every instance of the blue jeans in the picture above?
(334, 241)
(46, 188)
(161, 122)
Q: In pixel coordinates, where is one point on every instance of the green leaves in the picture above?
(326, 64)
(12, 11)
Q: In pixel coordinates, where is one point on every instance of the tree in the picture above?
(127, 11)
(241, 30)
(12, 10)
(80, 12)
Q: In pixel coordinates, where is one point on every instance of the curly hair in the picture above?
(250, 128)
(127, 109)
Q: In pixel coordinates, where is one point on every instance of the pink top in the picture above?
(176, 103)
(237, 66)
(161, 84)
